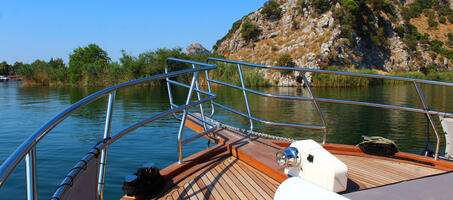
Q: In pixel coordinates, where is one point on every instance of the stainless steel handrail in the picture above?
(193, 87)
(332, 72)
(72, 175)
(415, 82)
(28, 148)
(249, 114)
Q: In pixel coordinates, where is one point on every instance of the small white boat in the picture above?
(4, 79)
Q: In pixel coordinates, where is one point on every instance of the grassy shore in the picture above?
(330, 80)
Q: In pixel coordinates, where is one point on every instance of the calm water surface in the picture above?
(24, 109)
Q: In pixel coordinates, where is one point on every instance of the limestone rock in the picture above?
(195, 49)
(317, 43)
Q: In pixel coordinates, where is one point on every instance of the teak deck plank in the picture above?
(224, 184)
(253, 183)
(227, 179)
(373, 172)
(263, 187)
(230, 183)
(244, 167)
(236, 181)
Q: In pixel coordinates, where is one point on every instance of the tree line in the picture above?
(91, 66)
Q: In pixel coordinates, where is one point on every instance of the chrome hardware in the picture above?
(289, 157)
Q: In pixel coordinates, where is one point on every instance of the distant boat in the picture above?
(4, 78)
(14, 78)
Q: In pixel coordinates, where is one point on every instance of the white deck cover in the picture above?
(447, 125)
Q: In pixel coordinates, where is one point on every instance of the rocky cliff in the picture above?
(375, 34)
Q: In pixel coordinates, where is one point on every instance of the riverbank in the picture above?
(252, 77)
(91, 67)
(329, 80)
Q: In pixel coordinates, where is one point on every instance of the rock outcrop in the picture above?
(195, 49)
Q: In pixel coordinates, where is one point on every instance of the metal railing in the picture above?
(315, 100)
(27, 149)
(193, 87)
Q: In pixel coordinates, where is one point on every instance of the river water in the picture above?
(24, 109)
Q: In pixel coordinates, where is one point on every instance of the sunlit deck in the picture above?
(245, 168)
(226, 179)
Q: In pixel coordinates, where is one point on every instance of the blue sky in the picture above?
(33, 29)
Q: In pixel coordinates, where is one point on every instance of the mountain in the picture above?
(385, 35)
(195, 49)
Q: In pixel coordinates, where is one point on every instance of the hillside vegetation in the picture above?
(389, 36)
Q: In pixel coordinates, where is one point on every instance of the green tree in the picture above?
(249, 30)
(90, 55)
(271, 10)
(5, 68)
(320, 5)
(16, 67)
(442, 20)
(285, 60)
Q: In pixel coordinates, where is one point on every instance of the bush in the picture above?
(351, 6)
(271, 10)
(436, 45)
(416, 8)
(450, 18)
(285, 60)
(450, 36)
(250, 30)
(296, 24)
(400, 30)
(432, 22)
(429, 13)
(444, 11)
(442, 20)
(320, 5)
(274, 48)
(449, 44)
(384, 5)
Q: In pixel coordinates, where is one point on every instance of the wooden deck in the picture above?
(227, 179)
(369, 172)
(241, 166)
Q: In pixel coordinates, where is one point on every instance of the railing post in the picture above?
(184, 116)
(324, 138)
(209, 90)
(201, 105)
(426, 108)
(30, 174)
(104, 151)
(245, 97)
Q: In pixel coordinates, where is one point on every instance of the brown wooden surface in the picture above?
(257, 152)
(251, 171)
(372, 172)
(227, 179)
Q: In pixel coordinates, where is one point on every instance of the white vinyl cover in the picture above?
(298, 188)
(319, 166)
(447, 125)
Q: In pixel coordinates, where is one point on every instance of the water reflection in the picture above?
(27, 108)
